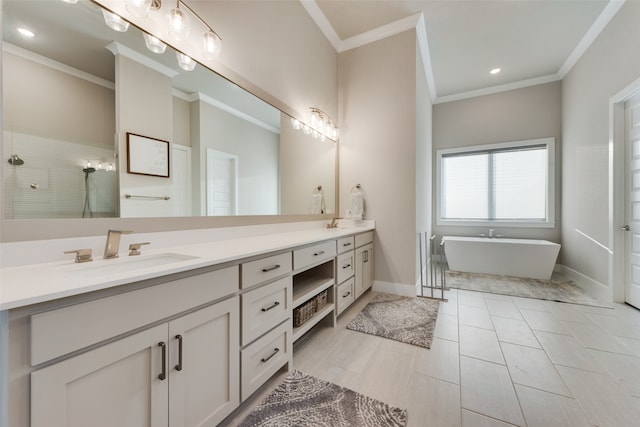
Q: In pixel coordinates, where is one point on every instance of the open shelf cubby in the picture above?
(308, 284)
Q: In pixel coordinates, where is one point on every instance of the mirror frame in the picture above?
(18, 230)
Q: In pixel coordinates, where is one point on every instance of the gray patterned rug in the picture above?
(303, 400)
(550, 290)
(406, 319)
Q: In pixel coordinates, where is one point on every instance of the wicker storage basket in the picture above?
(321, 299)
(304, 312)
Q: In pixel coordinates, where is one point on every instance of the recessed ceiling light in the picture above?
(495, 71)
(26, 33)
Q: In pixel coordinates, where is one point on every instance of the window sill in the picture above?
(502, 224)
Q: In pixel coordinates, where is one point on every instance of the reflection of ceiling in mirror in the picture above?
(76, 35)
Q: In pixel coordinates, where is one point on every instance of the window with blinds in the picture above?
(510, 183)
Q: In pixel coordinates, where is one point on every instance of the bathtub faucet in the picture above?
(493, 235)
(491, 230)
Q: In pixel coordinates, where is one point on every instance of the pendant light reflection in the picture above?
(178, 23)
(212, 44)
(185, 62)
(114, 21)
(138, 8)
(153, 43)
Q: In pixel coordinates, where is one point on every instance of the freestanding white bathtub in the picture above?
(505, 257)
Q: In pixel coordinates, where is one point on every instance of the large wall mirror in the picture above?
(75, 89)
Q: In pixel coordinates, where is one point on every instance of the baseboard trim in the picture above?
(394, 288)
(596, 289)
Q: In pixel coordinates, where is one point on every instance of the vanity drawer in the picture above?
(61, 331)
(345, 268)
(264, 308)
(265, 269)
(263, 358)
(345, 295)
(314, 254)
(364, 238)
(346, 244)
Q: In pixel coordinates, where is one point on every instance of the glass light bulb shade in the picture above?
(315, 134)
(138, 8)
(153, 43)
(115, 22)
(334, 133)
(178, 24)
(295, 123)
(315, 118)
(185, 62)
(212, 44)
(306, 130)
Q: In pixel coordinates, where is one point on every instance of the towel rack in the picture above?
(317, 189)
(356, 188)
(133, 196)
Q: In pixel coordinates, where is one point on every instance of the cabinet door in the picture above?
(117, 384)
(204, 383)
(364, 269)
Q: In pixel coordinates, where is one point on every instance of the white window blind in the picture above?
(502, 182)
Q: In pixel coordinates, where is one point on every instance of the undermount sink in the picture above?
(127, 264)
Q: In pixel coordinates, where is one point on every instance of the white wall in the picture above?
(258, 155)
(424, 144)
(378, 147)
(143, 107)
(305, 163)
(609, 65)
(527, 113)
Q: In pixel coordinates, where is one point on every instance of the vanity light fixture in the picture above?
(114, 21)
(322, 126)
(140, 8)
(185, 62)
(153, 43)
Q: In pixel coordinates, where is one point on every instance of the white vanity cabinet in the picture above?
(180, 373)
(345, 270)
(363, 263)
(157, 366)
(266, 320)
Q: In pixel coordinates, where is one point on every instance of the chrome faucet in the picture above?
(333, 224)
(491, 235)
(113, 243)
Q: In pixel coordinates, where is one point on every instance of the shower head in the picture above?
(15, 160)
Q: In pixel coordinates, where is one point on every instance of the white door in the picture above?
(221, 183)
(181, 180)
(117, 384)
(632, 209)
(204, 379)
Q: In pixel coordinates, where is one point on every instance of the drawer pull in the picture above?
(318, 253)
(273, 267)
(346, 295)
(163, 374)
(179, 365)
(346, 266)
(266, 359)
(274, 305)
(344, 245)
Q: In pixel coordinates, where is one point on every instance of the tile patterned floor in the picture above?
(495, 361)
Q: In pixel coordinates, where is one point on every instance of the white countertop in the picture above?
(36, 283)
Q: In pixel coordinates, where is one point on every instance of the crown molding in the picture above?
(609, 11)
(120, 49)
(59, 66)
(418, 22)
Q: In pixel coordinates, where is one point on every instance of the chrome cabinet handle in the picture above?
(266, 359)
(163, 374)
(274, 305)
(346, 266)
(346, 295)
(318, 253)
(274, 267)
(179, 365)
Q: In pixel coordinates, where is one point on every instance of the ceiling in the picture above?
(532, 41)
